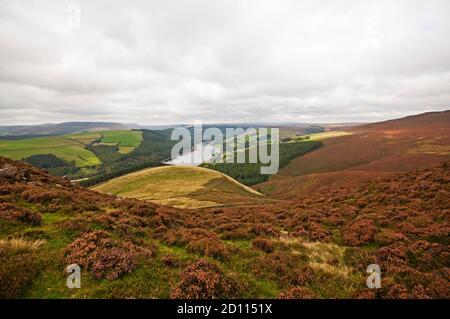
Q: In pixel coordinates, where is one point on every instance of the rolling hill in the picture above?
(371, 151)
(182, 186)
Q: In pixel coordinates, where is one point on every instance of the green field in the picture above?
(71, 147)
(68, 148)
(126, 141)
(325, 135)
(168, 185)
(250, 173)
(85, 137)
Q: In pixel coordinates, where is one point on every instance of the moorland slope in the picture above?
(317, 246)
(373, 150)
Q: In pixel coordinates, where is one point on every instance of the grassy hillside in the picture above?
(182, 186)
(91, 156)
(154, 147)
(250, 173)
(324, 135)
(71, 147)
(126, 141)
(315, 247)
(67, 148)
(84, 138)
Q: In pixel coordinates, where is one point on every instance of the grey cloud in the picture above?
(223, 61)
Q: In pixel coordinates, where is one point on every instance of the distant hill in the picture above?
(20, 131)
(373, 150)
(59, 128)
(182, 186)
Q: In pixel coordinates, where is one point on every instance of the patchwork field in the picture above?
(179, 186)
(70, 148)
(125, 140)
(85, 137)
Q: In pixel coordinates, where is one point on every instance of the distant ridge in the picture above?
(46, 129)
(58, 128)
(428, 118)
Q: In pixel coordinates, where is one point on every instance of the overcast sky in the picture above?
(173, 61)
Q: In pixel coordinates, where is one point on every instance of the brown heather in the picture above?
(104, 257)
(400, 222)
(205, 280)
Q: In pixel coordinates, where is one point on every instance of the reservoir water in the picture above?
(202, 153)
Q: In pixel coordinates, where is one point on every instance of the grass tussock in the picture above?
(327, 257)
(21, 244)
